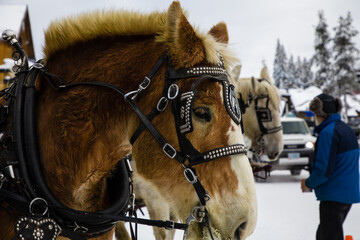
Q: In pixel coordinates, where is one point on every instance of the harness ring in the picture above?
(31, 210)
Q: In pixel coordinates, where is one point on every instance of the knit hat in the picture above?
(324, 105)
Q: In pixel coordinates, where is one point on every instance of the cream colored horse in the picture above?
(262, 115)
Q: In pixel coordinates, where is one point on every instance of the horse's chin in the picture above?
(214, 234)
(272, 159)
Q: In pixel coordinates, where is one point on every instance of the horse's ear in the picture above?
(264, 74)
(185, 47)
(220, 33)
(235, 72)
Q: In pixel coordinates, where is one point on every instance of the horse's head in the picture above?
(261, 102)
(201, 125)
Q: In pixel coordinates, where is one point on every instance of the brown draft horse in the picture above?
(270, 141)
(84, 131)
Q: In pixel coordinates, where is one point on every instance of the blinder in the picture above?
(263, 113)
(187, 102)
(231, 103)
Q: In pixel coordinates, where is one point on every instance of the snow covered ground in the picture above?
(284, 212)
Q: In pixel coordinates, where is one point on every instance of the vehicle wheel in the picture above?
(295, 172)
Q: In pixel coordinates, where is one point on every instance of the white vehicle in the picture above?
(299, 146)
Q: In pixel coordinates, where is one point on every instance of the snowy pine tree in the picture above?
(345, 56)
(298, 72)
(292, 83)
(307, 74)
(280, 74)
(323, 75)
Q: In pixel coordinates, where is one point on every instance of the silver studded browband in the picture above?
(219, 69)
(224, 151)
(206, 70)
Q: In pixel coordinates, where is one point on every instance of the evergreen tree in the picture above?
(307, 74)
(345, 56)
(292, 73)
(323, 75)
(298, 72)
(280, 67)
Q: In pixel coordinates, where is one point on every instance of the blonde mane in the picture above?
(68, 31)
(64, 33)
(252, 86)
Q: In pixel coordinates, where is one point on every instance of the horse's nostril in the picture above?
(238, 233)
(243, 225)
(274, 155)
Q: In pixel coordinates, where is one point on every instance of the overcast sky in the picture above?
(254, 25)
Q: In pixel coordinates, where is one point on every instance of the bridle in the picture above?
(182, 105)
(26, 175)
(263, 114)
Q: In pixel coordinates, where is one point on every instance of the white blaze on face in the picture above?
(228, 212)
(245, 199)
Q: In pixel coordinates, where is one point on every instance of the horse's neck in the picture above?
(85, 131)
(79, 151)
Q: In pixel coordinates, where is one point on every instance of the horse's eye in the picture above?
(202, 113)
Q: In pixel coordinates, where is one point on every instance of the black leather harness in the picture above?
(23, 183)
(263, 114)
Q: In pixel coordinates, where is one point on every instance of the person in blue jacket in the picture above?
(335, 169)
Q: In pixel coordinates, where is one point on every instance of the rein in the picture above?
(25, 172)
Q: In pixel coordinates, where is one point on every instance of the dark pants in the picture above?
(332, 217)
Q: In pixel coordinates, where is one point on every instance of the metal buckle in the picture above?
(162, 104)
(169, 150)
(172, 225)
(38, 65)
(145, 83)
(190, 175)
(197, 214)
(173, 91)
(142, 86)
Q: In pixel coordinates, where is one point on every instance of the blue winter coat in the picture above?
(335, 170)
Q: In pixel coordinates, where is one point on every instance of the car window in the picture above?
(294, 128)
